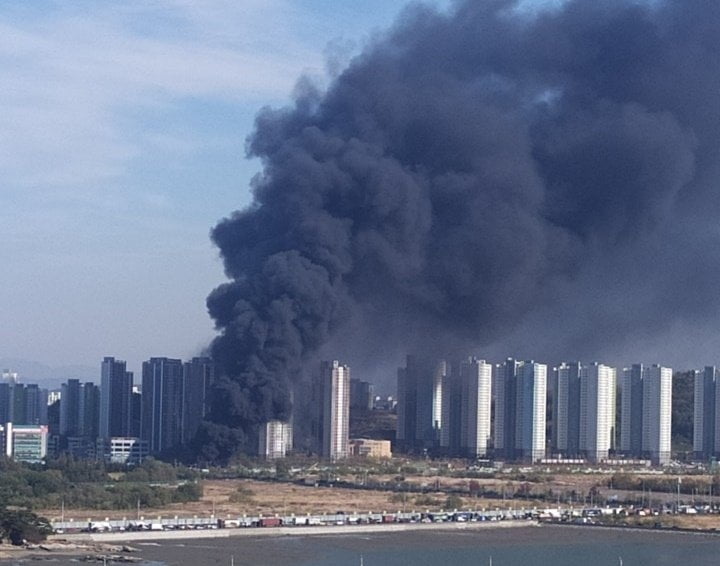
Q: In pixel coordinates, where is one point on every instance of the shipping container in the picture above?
(270, 522)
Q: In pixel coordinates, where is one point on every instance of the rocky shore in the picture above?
(83, 551)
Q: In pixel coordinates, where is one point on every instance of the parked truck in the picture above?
(270, 522)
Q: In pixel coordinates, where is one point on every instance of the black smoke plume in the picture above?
(517, 181)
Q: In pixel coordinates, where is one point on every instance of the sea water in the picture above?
(531, 546)
(520, 546)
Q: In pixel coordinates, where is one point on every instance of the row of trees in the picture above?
(93, 485)
(667, 484)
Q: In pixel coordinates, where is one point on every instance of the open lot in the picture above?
(237, 497)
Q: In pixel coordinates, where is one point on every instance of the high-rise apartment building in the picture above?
(583, 410)
(71, 416)
(566, 410)
(198, 375)
(361, 395)
(423, 414)
(115, 398)
(90, 410)
(530, 410)
(520, 404)
(162, 384)
(35, 405)
(476, 406)
(631, 417)
(657, 413)
(22, 404)
(646, 418)
(79, 418)
(331, 397)
(705, 417)
(597, 411)
(504, 389)
(6, 402)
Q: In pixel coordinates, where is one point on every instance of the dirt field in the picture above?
(248, 497)
(238, 497)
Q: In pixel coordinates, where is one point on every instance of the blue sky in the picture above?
(122, 144)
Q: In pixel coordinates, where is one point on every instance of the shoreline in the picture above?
(120, 538)
(92, 547)
(135, 536)
(128, 537)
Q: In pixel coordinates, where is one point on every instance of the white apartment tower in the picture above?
(657, 413)
(597, 411)
(530, 407)
(476, 400)
(333, 398)
(646, 413)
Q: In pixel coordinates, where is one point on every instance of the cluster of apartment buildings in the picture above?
(520, 411)
(515, 411)
(122, 422)
(117, 420)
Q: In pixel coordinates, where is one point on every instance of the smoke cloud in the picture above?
(492, 178)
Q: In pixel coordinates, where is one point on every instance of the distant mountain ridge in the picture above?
(48, 376)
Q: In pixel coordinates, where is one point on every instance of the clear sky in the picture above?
(121, 145)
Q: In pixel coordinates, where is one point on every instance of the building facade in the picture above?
(566, 410)
(423, 405)
(198, 376)
(115, 399)
(370, 448)
(331, 394)
(504, 388)
(530, 411)
(275, 439)
(476, 408)
(646, 418)
(657, 414)
(361, 395)
(705, 419)
(161, 401)
(25, 443)
(597, 411)
(631, 423)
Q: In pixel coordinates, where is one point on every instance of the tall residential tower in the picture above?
(115, 399)
(331, 393)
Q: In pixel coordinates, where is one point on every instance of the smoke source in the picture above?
(490, 177)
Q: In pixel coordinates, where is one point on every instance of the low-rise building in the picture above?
(274, 440)
(24, 443)
(370, 448)
(123, 449)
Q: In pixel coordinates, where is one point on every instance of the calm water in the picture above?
(538, 546)
(532, 546)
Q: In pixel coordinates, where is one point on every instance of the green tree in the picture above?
(20, 526)
(453, 502)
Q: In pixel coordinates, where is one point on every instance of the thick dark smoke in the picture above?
(516, 182)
